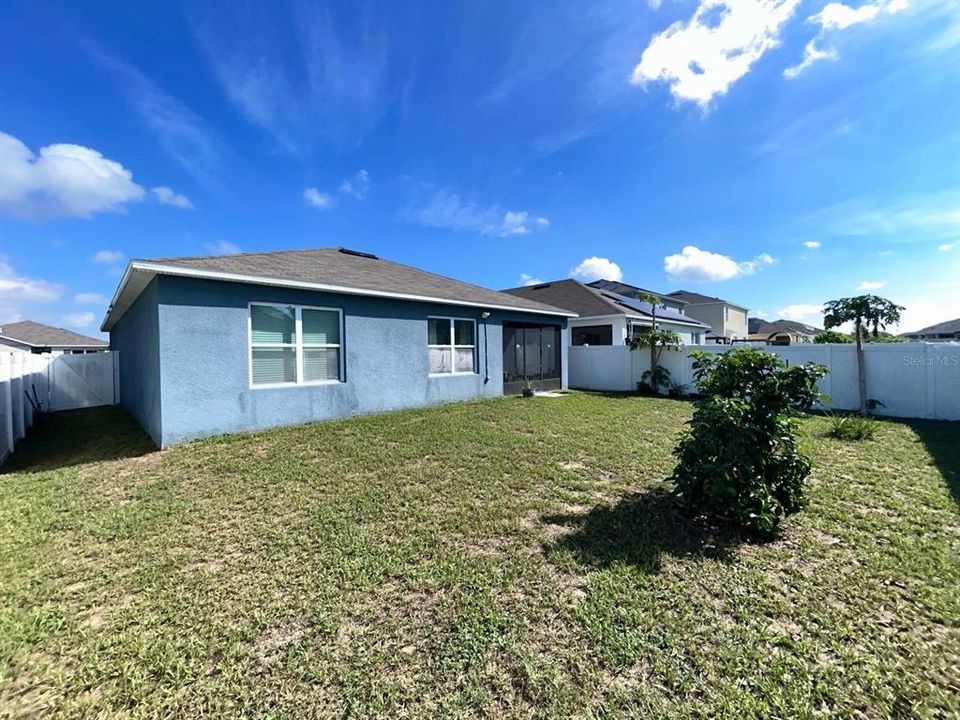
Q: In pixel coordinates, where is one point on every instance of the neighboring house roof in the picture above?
(34, 334)
(697, 299)
(588, 301)
(336, 270)
(758, 326)
(950, 327)
(622, 288)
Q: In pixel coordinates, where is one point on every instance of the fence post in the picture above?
(116, 377)
(16, 395)
(6, 407)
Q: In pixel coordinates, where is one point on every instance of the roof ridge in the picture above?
(241, 254)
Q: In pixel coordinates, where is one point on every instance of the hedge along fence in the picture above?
(912, 380)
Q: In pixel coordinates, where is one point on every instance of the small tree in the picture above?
(869, 314)
(738, 459)
(657, 340)
(831, 336)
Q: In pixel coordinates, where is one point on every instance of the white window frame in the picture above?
(298, 346)
(452, 347)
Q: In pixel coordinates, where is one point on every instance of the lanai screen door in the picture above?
(530, 353)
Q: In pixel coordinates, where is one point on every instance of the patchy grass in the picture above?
(508, 558)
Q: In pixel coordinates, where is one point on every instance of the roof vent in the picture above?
(542, 286)
(348, 251)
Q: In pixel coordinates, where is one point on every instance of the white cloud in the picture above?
(837, 16)
(221, 247)
(317, 199)
(695, 265)
(182, 133)
(166, 196)
(909, 218)
(946, 247)
(107, 256)
(871, 285)
(446, 209)
(62, 181)
(529, 279)
(597, 268)
(761, 313)
(811, 55)
(89, 299)
(929, 305)
(296, 72)
(14, 287)
(834, 17)
(812, 244)
(702, 58)
(79, 319)
(357, 186)
(803, 312)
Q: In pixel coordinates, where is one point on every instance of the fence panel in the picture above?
(80, 381)
(915, 380)
(62, 382)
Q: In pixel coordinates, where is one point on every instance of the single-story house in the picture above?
(222, 344)
(941, 332)
(33, 337)
(727, 320)
(606, 318)
(780, 332)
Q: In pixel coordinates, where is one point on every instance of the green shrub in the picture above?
(661, 378)
(831, 336)
(852, 427)
(738, 458)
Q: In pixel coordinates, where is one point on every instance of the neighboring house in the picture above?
(727, 320)
(942, 332)
(606, 318)
(213, 345)
(780, 332)
(622, 288)
(33, 337)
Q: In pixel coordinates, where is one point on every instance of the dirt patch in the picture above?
(270, 644)
(571, 465)
(487, 547)
(211, 566)
(97, 617)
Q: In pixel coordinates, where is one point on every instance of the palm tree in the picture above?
(868, 313)
(656, 339)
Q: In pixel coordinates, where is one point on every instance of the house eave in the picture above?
(119, 304)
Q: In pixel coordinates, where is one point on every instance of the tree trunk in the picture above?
(861, 368)
(653, 353)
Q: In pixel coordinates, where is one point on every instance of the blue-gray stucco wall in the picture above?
(204, 359)
(136, 338)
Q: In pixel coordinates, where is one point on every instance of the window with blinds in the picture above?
(451, 345)
(294, 345)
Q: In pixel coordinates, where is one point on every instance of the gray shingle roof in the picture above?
(40, 335)
(949, 327)
(759, 326)
(697, 299)
(327, 269)
(622, 288)
(589, 301)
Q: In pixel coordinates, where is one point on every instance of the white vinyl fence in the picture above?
(913, 380)
(61, 382)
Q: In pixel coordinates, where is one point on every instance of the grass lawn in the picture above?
(506, 558)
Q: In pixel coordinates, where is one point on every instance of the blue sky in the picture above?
(778, 153)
